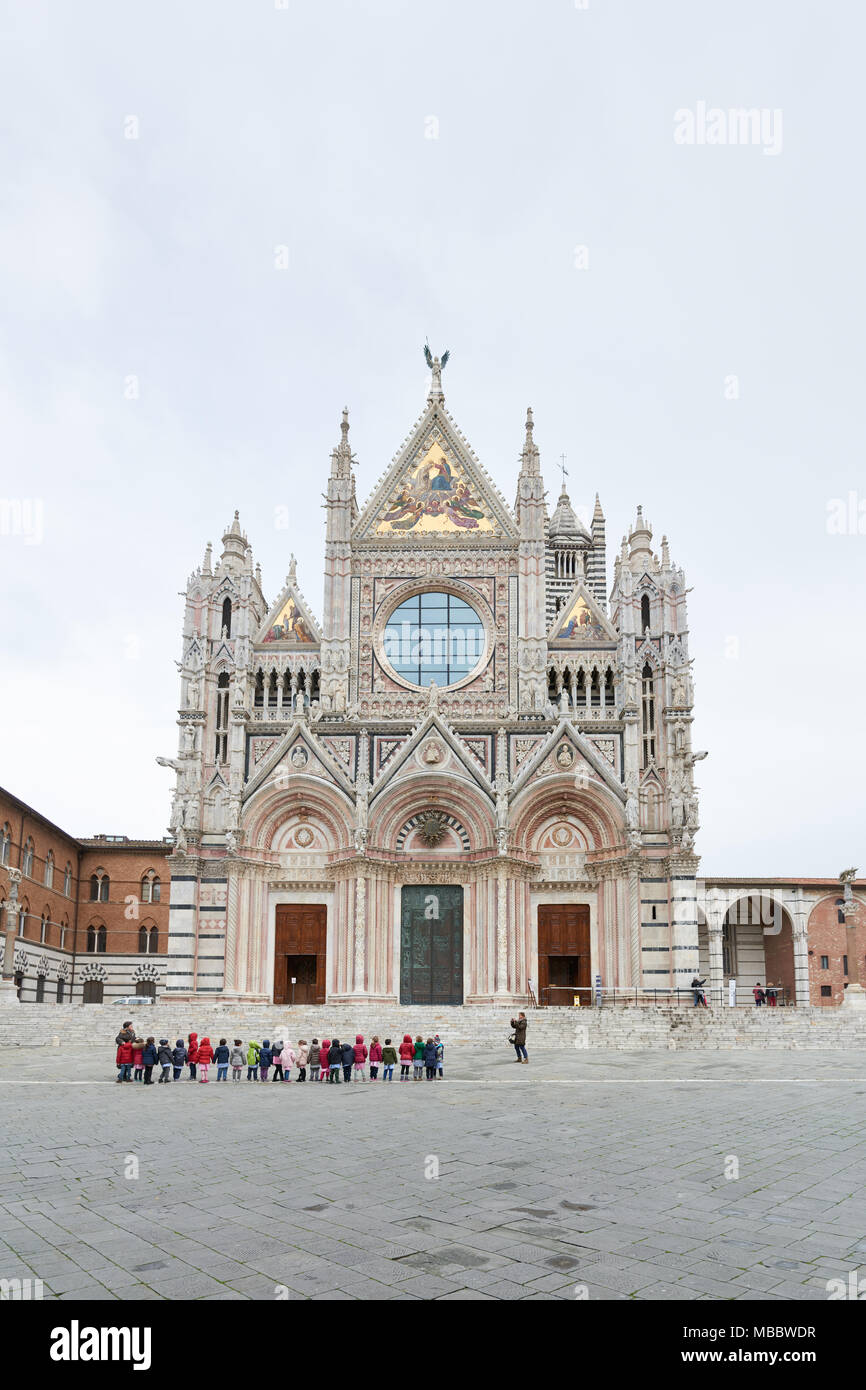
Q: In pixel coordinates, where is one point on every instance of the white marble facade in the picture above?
(313, 771)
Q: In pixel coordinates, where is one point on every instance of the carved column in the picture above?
(8, 992)
(502, 933)
(360, 935)
(715, 907)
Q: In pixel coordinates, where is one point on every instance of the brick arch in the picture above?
(147, 972)
(92, 971)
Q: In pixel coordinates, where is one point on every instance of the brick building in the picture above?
(91, 917)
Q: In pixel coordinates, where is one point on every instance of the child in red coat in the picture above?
(360, 1058)
(375, 1057)
(138, 1065)
(123, 1061)
(192, 1054)
(407, 1055)
(205, 1057)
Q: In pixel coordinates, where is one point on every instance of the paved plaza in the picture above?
(587, 1174)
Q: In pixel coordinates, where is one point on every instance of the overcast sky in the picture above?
(509, 179)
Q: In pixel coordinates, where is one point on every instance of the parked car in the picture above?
(134, 999)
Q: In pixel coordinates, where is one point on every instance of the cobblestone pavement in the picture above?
(583, 1174)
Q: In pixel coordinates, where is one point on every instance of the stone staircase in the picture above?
(621, 1028)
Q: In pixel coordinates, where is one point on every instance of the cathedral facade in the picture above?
(470, 778)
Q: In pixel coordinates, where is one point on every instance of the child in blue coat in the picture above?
(178, 1058)
(266, 1056)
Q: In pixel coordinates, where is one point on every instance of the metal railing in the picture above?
(587, 996)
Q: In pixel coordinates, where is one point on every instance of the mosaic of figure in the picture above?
(434, 497)
(290, 626)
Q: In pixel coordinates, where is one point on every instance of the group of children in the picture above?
(326, 1060)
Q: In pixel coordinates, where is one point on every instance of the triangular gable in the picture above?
(580, 621)
(434, 487)
(566, 731)
(433, 722)
(290, 622)
(222, 656)
(299, 736)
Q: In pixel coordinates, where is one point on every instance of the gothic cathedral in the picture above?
(472, 778)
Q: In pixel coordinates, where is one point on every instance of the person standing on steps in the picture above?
(519, 1026)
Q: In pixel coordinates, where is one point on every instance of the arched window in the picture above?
(222, 716)
(5, 844)
(151, 887)
(49, 869)
(840, 915)
(64, 928)
(259, 694)
(648, 728)
(44, 927)
(148, 940)
(644, 613)
(100, 884)
(96, 938)
(67, 880)
(227, 616)
(27, 859)
(608, 687)
(23, 914)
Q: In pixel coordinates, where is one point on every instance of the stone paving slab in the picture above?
(583, 1169)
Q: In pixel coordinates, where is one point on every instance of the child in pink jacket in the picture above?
(287, 1061)
(375, 1058)
(360, 1058)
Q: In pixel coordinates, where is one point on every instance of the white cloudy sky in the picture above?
(306, 127)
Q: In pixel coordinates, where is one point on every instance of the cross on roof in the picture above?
(563, 469)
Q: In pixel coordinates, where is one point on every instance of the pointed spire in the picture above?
(234, 542)
(597, 514)
(341, 457)
(529, 458)
(640, 551)
(666, 554)
(207, 567)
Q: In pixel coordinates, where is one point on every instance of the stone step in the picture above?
(623, 1028)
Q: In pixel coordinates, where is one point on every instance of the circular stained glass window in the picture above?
(434, 637)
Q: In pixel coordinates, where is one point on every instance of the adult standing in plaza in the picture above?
(519, 1026)
(123, 1056)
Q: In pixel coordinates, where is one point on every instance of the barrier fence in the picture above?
(589, 996)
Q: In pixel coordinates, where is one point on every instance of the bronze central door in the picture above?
(431, 945)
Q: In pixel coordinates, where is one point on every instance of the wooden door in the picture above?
(301, 937)
(431, 945)
(564, 958)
